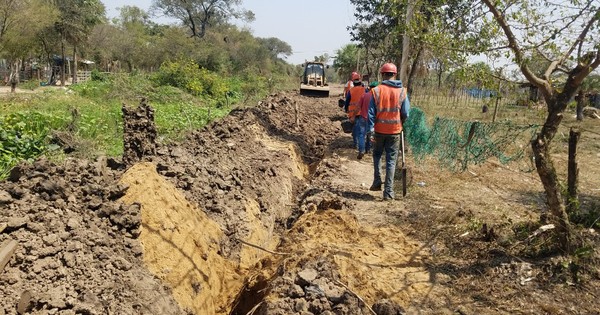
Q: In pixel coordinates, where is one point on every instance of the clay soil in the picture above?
(268, 211)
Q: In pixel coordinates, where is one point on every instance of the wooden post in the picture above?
(573, 172)
(497, 101)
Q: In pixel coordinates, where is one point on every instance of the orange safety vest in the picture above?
(347, 87)
(356, 94)
(388, 101)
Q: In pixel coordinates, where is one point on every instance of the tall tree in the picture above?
(276, 47)
(198, 15)
(76, 20)
(567, 34)
(344, 62)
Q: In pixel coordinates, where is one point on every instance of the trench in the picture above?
(183, 246)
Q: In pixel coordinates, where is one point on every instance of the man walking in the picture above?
(352, 106)
(388, 109)
(360, 125)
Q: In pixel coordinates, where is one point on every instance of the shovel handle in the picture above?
(403, 165)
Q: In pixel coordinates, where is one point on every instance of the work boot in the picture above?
(375, 187)
(360, 155)
(387, 196)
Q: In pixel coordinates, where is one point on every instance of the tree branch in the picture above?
(579, 40)
(514, 46)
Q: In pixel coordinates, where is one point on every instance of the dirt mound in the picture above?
(181, 244)
(77, 247)
(139, 132)
(332, 260)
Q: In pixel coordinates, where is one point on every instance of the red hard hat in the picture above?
(355, 76)
(389, 68)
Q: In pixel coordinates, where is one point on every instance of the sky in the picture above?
(311, 27)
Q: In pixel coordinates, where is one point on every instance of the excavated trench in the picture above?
(213, 210)
(240, 219)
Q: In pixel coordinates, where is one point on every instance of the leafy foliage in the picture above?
(187, 75)
(23, 136)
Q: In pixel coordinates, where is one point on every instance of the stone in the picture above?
(5, 197)
(306, 276)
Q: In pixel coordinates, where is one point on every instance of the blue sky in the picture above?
(311, 27)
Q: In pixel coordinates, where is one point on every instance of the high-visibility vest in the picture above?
(356, 94)
(388, 101)
(348, 86)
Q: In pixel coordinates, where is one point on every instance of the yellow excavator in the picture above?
(313, 81)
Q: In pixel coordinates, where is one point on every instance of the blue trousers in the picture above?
(360, 130)
(391, 145)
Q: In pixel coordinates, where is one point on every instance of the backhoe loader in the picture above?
(314, 82)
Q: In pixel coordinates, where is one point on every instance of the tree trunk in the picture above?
(573, 174)
(413, 70)
(63, 75)
(74, 80)
(545, 168)
(579, 99)
(403, 74)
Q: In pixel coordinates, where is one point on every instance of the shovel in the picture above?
(403, 171)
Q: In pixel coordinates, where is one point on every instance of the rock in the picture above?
(295, 291)
(331, 291)
(56, 297)
(16, 173)
(387, 307)
(301, 305)
(16, 223)
(5, 197)
(73, 224)
(306, 276)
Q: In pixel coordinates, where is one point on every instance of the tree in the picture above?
(345, 60)
(76, 20)
(414, 33)
(276, 47)
(198, 15)
(18, 36)
(567, 34)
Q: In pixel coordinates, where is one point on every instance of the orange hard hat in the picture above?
(355, 76)
(389, 68)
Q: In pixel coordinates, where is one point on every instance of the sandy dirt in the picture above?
(268, 211)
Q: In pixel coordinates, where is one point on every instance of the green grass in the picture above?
(91, 112)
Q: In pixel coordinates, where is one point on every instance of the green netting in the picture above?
(458, 144)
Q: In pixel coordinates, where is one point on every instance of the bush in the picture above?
(23, 136)
(187, 75)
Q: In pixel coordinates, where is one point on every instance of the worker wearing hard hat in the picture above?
(360, 125)
(353, 77)
(352, 106)
(388, 109)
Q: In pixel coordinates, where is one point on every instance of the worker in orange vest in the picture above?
(388, 109)
(360, 125)
(353, 77)
(352, 106)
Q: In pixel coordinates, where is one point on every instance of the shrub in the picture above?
(23, 136)
(187, 75)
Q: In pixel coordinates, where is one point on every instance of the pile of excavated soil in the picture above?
(77, 250)
(332, 260)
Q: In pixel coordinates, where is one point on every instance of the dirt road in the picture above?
(268, 212)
